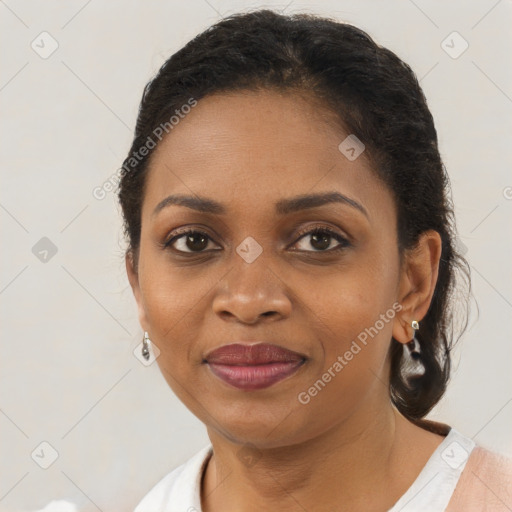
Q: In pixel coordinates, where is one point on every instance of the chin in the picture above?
(263, 428)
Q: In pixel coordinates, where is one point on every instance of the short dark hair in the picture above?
(375, 96)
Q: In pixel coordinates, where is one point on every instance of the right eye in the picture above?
(190, 241)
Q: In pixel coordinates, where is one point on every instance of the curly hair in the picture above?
(373, 95)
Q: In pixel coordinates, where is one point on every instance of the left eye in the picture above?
(321, 239)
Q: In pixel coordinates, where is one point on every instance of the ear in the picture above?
(417, 283)
(133, 278)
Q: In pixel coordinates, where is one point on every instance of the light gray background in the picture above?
(69, 325)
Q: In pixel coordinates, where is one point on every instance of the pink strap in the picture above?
(485, 485)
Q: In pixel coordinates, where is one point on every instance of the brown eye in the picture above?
(189, 241)
(322, 238)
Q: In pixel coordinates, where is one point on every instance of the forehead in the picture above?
(261, 146)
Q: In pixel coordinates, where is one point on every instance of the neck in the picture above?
(334, 470)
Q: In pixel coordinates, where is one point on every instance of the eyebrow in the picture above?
(282, 207)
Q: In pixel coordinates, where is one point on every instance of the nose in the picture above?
(251, 293)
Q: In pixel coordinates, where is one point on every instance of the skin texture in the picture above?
(348, 448)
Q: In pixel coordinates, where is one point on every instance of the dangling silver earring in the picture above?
(414, 344)
(412, 353)
(146, 342)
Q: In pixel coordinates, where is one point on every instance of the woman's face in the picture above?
(258, 276)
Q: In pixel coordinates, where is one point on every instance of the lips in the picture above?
(254, 366)
(258, 353)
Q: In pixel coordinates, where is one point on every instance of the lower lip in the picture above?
(254, 376)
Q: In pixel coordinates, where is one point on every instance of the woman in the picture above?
(292, 255)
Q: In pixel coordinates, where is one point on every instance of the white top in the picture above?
(180, 490)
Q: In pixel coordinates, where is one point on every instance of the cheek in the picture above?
(169, 292)
(354, 314)
(350, 368)
(173, 309)
(353, 297)
(356, 329)
(174, 304)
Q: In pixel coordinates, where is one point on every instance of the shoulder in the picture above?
(485, 484)
(179, 488)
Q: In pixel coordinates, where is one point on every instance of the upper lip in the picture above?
(241, 353)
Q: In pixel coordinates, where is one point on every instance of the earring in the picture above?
(414, 344)
(413, 366)
(146, 342)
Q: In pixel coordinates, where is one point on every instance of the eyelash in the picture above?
(317, 230)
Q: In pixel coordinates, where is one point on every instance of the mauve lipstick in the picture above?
(255, 366)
